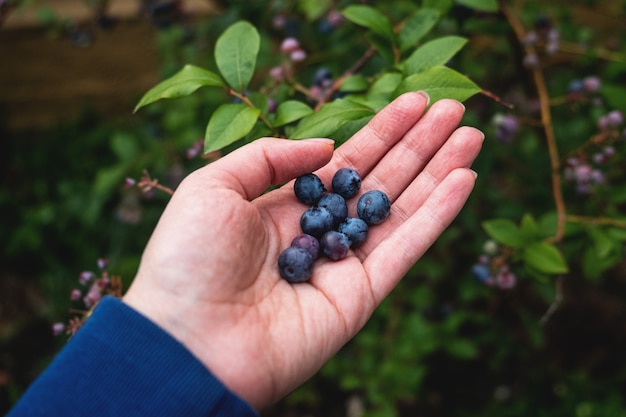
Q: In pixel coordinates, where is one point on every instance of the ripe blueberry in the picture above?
(316, 221)
(373, 207)
(309, 188)
(335, 245)
(346, 182)
(336, 205)
(307, 242)
(295, 264)
(356, 230)
(481, 273)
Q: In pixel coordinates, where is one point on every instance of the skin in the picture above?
(209, 277)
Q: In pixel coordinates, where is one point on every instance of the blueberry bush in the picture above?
(518, 309)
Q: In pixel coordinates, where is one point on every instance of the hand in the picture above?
(209, 273)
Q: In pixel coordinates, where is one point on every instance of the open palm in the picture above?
(209, 275)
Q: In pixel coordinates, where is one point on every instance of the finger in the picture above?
(363, 151)
(251, 169)
(409, 156)
(459, 151)
(400, 249)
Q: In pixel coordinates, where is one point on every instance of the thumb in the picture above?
(251, 169)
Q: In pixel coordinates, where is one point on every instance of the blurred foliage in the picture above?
(444, 343)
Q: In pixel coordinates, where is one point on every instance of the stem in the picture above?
(351, 71)
(496, 98)
(546, 122)
(600, 221)
(576, 49)
(250, 104)
(147, 183)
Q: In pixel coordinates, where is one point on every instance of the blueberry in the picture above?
(346, 182)
(309, 188)
(481, 272)
(337, 206)
(307, 242)
(316, 221)
(373, 207)
(323, 77)
(335, 245)
(356, 230)
(295, 264)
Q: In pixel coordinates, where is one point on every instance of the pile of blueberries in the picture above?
(326, 227)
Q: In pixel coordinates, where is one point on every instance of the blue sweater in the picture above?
(121, 364)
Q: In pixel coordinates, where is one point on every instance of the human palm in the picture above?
(209, 275)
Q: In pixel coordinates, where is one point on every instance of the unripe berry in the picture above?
(591, 83)
(289, 45)
(615, 119)
(298, 55)
(277, 73)
(58, 328)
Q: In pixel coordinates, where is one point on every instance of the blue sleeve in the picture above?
(122, 364)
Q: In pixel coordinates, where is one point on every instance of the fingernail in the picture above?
(321, 140)
(475, 173)
(461, 104)
(425, 95)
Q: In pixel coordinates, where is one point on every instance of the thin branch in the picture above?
(146, 183)
(598, 221)
(351, 71)
(496, 98)
(250, 104)
(546, 121)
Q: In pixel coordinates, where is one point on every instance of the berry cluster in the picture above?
(326, 227)
(96, 288)
(545, 39)
(492, 269)
(579, 88)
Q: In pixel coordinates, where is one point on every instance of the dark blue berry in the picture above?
(316, 221)
(309, 188)
(356, 230)
(295, 264)
(336, 205)
(335, 245)
(323, 77)
(481, 272)
(346, 182)
(307, 242)
(373, 207)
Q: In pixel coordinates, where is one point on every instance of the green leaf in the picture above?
(602, 242)
(484, 5)
(329, 118)
(528, 227)
(290, 111)
(236, 53)
(433, 53)
(545, 257)
(439, 82)
(313, 9)
(462, 349)
(504, 231)
(229, 123)
(617, 233)
(442, 5)
(181, 84)
(354, 83)
(370, 18)
(416, 27)
(594, 266)
(385, 84)
(615, 95)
